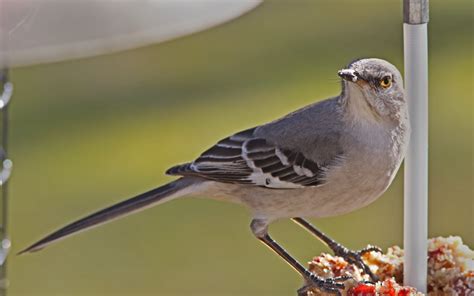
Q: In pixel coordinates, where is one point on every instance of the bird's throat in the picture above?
(358, 107)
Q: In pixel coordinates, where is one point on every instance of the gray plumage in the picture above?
(326, 159)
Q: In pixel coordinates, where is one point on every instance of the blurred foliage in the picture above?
(90, 132)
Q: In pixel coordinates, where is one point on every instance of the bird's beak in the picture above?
(349, 75)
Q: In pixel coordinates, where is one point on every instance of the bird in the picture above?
(326, 159)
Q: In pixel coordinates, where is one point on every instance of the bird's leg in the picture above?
(352, 257)
(332, 285)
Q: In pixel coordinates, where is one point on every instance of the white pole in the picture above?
(416, 162)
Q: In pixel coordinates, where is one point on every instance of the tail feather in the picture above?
(145, 200)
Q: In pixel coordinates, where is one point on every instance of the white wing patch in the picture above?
(281, 156)
(258, 177)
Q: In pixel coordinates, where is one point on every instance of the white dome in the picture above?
(39, 31)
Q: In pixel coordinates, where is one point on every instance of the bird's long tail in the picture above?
(145, 200)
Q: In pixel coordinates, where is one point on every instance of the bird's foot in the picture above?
(355, 257)
(328, 285)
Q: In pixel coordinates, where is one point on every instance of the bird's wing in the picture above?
(245, 158)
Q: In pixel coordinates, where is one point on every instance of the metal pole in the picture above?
(6, 167)
(415, 17)
(6, 91)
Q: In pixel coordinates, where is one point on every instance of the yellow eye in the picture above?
(386, 82)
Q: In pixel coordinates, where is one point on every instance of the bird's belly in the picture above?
(345, 191)
(354, 186)
(348, 188)
(347, 197)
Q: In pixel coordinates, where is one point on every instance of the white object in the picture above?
(416, 162)
(40, 31)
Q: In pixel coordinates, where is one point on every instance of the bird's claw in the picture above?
(369, 249)
(329, 285)
(355, 257)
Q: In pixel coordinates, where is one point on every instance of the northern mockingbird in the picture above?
(326, 159)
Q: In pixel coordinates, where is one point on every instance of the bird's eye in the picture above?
(386, 82)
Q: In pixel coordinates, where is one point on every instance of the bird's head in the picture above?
(375, 86)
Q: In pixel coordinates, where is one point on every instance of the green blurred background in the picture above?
(90, 132)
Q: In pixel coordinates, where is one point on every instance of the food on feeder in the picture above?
(385, 287)
(450, 267)
(450, 271)
(332, 266)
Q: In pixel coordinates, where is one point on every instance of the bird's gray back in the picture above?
(314, 130)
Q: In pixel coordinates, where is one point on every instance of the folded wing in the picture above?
(244, 158)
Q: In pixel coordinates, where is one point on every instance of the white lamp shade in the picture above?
(40, 31)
